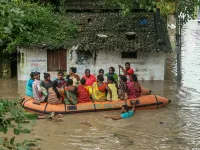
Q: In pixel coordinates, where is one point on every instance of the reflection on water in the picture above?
(173, 127)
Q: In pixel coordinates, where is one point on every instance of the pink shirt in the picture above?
(90, 80)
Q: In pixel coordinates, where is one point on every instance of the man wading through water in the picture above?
(125, 112)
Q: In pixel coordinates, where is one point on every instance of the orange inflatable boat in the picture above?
(143, 102)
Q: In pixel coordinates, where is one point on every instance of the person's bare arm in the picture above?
(123, 70)
(110, 92)
(114, 117)
(133, 107)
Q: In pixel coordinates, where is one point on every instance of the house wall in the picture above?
(148, 66)
(30, 60)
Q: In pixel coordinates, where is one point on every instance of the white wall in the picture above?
(148, 66)
(31, 60)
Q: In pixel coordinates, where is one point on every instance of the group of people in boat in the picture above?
(72, 89)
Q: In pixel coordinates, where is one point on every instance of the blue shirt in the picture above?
(29, 90)
(127, 114)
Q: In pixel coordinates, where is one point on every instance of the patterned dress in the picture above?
(122, 91)
(134, 89)
(37, 92)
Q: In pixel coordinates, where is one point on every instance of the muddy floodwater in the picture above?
(174, 127)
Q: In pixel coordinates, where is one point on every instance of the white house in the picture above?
(102, 43)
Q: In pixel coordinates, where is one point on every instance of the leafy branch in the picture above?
(31, 24)
(14, 118)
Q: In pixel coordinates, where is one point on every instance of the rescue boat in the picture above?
(143, 102)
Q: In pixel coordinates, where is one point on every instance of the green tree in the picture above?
(31, 24)
(185, 8)
(15, 119)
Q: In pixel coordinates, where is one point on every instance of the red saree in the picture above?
(83, 94)
(134, 89)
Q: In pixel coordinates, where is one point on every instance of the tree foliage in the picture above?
(31, 24)
(185, 8)
(14, 118)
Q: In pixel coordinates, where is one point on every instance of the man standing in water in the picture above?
(128, 71)
(126, 112)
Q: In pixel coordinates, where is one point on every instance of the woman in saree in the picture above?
(54, 94)
(70, 93)
(113, 87)
(99, 90)
(72, 75)
(122, 88)
(83, 93)
(134, 88)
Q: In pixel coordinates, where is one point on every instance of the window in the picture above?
(129, 55)
(56, 60)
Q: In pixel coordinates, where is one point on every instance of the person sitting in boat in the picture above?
(128, 71)
(37, 92)
(54, 94)
(112, 74)
(29, 83)
(61, 81)
(72, 75)
(101, 72)
(47, 83)
(122, 88)
(99, 89)
(113, 87)
(134, 88)
(71, 93)
(125, 112)
(90, 79)
(83, 92)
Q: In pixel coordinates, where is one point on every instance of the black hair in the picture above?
(112, 68)
(134, 77)
(54, 86)
(111, 78)
(60, 72)
(32, 75)
(83, 81)
(123, 78)
(127, 63)
(101, 70)
(100, 78)
(46, 75)
(69, 82)
(73, 69)
(68, 77)
(126, 107)
(87, 70)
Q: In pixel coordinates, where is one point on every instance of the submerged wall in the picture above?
(148, 66)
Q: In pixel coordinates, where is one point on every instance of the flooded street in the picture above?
(174, 127)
